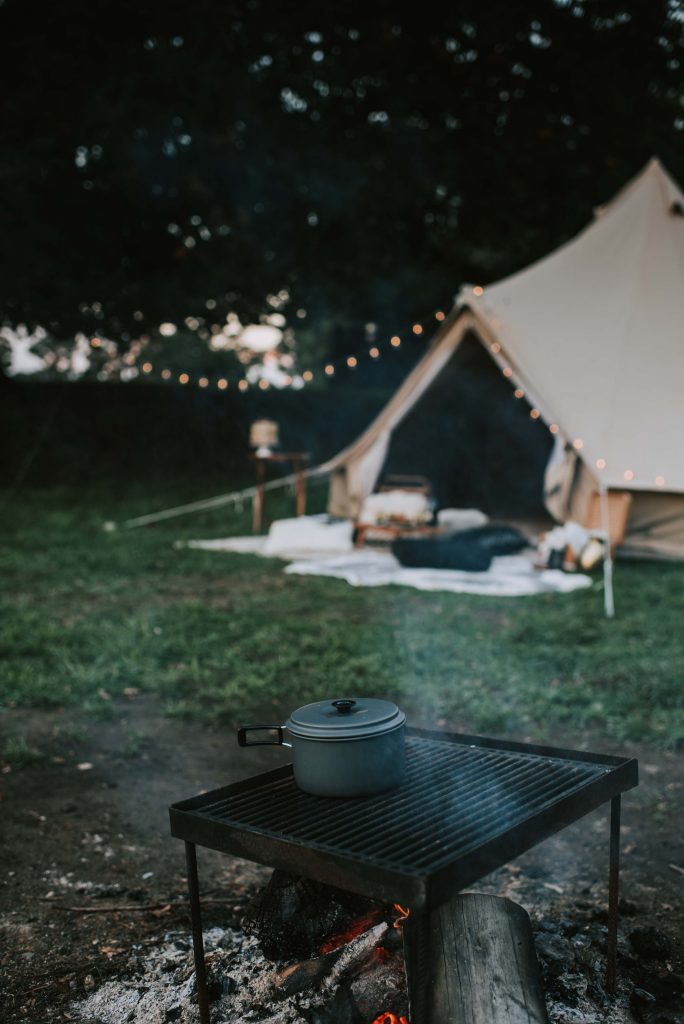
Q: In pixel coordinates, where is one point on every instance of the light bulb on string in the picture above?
(330, 369)
(495, 347)
(243, 385)
(374, 352)
(554, 428)
(578, 444)
(628, 474)
(352, 361)
(535, 414)
(478, 290)
(222, 384)
(165, 374)
(183, 378)
(263, 384)
(417, 329)
(660, 481)
(439, 315)
(307, 375)
(507, 372)
(395, 341)
(518, 393)
(147, 367)
(600, 463)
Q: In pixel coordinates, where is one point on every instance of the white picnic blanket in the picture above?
(508, 575)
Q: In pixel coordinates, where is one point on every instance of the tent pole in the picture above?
(608, 601)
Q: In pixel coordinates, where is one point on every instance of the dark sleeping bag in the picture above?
(470, 550)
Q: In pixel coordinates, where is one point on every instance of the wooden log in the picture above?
(472, 961)
(331, 966)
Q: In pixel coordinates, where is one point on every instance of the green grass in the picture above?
(225, 637)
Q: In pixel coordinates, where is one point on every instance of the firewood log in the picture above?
(472, 961)
(329, 968)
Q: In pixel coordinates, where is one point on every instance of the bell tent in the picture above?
(593, 334)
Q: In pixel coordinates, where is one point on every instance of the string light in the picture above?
(535, 414)
(554, 428)
(628, 474)
(600, 463)
(660, 481)
(168, 329)
(578, 444)
(351, 361)
(478, 290)
(95, 342)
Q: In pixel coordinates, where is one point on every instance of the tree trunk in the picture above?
(472, 961)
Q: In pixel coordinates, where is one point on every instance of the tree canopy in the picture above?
(162, 159)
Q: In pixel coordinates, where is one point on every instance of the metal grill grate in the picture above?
(465, 808)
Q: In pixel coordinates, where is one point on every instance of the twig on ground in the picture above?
(136, 907)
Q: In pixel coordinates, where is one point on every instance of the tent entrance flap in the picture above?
(473, 440)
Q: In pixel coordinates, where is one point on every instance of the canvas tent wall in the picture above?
(594, 335)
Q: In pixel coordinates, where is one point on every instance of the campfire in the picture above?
(344, 946)
(343, 956)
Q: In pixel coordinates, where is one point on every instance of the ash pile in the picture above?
(309, 954)
(306, 954)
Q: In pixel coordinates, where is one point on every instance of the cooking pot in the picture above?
(347, 747)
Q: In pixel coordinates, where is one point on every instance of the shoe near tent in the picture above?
(593, 334)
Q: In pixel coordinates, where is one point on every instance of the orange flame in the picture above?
(390, 1018)
(403, 914)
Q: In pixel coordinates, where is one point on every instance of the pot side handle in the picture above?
(244, 742)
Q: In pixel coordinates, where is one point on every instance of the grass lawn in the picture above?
(85, 614)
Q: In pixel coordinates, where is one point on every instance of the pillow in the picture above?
(308, 533)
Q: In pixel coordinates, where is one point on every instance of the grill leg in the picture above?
(613, 894)
(197, 941)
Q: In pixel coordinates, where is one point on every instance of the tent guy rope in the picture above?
(233, 497)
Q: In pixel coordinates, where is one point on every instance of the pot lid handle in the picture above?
(343, 706)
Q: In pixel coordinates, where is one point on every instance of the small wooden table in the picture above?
(298, 461)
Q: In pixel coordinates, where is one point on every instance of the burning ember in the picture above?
(358, 927)
(392, 1018)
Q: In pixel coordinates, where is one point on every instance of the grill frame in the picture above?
(422, 888)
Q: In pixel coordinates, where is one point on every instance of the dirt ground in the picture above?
(91, 877)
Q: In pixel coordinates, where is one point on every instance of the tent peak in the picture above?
(652, 175)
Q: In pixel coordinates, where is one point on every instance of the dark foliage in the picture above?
(368, 157)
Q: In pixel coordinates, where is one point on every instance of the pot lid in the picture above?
(345, 718)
